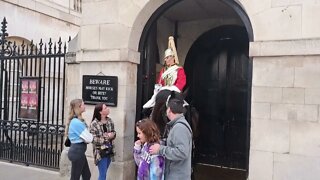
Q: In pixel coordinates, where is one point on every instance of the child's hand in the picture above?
(138, 142)
(137, 145)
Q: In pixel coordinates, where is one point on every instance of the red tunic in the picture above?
(180, 81)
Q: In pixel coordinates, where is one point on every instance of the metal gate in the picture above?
(31, 101)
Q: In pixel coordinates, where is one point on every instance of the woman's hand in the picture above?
(109, 135)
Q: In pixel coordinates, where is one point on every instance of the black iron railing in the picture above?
(36, 140)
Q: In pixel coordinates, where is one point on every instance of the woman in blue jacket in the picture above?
(79, 137)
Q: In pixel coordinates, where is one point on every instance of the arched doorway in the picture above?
(229, 19)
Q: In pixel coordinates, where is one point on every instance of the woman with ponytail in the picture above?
(79, 136)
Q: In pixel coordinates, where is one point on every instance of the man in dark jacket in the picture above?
(177, 151)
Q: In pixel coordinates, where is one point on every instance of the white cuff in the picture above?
(86, 136)
(137, 147)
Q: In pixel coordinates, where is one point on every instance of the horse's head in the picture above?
(162, 96)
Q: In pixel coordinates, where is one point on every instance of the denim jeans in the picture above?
(79, 162)
(103, 166)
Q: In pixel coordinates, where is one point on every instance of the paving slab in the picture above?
(13, 171)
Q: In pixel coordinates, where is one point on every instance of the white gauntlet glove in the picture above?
(157, 88)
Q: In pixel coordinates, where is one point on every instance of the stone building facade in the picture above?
(282, 97)
(44, 19)
(284, 89)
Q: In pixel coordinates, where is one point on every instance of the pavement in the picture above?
(14, 171)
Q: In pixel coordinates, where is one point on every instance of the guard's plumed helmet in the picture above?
(171, 51)
(168, 52)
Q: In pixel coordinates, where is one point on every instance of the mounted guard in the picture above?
(171, 77)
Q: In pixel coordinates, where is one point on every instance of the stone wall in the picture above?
(283, 19)
(285, 129)
(34, 20)
(102, 48)
(285, 100)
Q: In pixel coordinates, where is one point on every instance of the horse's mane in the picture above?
(158, 114)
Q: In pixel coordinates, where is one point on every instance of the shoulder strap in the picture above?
(166, 130)
(184, 125)
(192, 142)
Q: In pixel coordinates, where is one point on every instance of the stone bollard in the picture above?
(65, 164)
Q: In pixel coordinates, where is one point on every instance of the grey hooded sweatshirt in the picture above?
(177, 151)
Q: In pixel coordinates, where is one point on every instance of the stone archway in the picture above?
(148, 35)
(145, 21)
(153, 9)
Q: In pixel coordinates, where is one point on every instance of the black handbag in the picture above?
(67, 143)
(106, 150)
